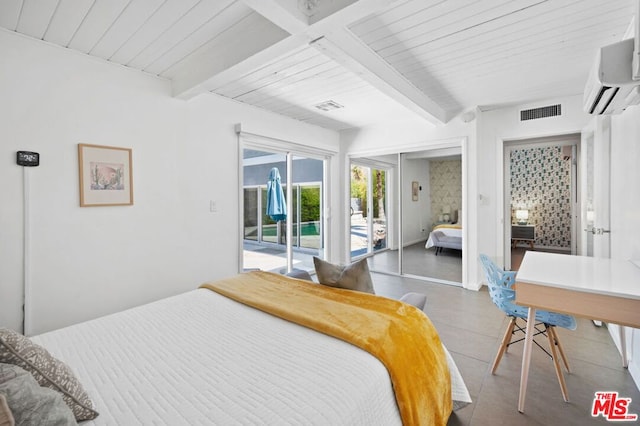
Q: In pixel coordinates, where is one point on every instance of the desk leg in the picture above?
(623, 346)
(526, 357)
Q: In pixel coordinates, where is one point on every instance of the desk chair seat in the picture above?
(500, 285)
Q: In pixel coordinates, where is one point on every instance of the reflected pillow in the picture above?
(355, 276)
(50, 372)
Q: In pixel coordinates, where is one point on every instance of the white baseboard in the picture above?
(410, 243)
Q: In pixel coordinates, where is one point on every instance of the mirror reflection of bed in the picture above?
(425, 259)
(431, 196)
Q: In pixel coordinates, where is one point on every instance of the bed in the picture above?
(204, 358)
(453, 231)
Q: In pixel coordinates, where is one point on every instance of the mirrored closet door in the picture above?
(422, 209)
(431, 201)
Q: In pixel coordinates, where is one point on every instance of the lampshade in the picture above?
(522, 216)
(446, 209)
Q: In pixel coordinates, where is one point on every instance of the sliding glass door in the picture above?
(270, 242)
(368, 210)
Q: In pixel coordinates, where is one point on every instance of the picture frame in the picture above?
(415, 188)
(106, 175)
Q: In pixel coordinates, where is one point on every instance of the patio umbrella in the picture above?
(276, 204)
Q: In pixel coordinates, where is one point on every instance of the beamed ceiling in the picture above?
(377, 59)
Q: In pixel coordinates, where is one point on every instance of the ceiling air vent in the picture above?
(328, 105)
(542, 112)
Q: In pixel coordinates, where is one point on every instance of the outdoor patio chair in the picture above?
(500, 285)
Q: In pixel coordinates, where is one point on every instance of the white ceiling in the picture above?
(379, 59)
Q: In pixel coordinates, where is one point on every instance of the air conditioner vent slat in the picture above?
(542, 112)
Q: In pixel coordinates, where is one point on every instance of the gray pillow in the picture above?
(355, 276)
(47, 370)
(30, 403)
(416, 299)
(6, 418)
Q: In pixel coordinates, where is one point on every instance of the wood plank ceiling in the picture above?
(378, 59)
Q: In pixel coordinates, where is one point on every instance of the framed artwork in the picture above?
(106, 178)
(414, 190)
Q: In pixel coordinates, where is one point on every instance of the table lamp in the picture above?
(522, 216)
(446, 210)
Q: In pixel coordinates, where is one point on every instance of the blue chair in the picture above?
(500, 285)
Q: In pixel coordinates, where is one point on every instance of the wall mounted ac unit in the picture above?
(611, 87)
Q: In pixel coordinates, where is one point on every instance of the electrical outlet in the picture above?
(213, 206)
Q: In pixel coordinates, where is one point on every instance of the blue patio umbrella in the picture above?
(276, 204)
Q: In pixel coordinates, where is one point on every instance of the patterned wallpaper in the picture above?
(541, 183)
(445, 180)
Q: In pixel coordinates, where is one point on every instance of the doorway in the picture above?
(541, 196)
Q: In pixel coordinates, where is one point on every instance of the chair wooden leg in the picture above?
(510, 327)
(556, 364)
(504, 345)
(562, 354)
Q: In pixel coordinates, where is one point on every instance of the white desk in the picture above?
(594, 288)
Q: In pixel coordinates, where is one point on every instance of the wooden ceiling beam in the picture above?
(327, 32)
(349, 51)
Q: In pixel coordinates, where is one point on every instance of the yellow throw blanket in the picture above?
(453, 226)
(399, 335)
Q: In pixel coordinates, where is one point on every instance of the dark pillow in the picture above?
(47, 370)
(355, 276)
(30, 403)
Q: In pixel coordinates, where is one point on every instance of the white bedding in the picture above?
(200, 358)
(452, 232)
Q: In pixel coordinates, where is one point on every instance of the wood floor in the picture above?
(471, 327)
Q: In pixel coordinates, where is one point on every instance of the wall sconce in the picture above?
(522, 216)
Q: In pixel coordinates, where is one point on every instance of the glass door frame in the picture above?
(248, 140)
(371, 165)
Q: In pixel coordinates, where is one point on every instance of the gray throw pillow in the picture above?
(50, 372)
(355, 276)
(6, 418)
(30, 403)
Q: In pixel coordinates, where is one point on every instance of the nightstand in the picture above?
(525, 233)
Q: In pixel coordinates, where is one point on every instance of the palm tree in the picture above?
(380, 194)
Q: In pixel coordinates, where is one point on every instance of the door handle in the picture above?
(598, 231)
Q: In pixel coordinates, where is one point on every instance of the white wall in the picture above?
(625, 209)
(87, 262)
(415, 220)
